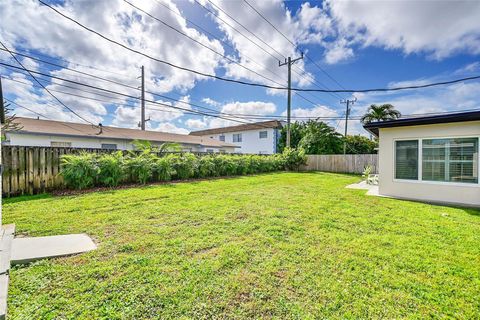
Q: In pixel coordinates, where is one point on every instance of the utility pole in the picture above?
(142, 121)
(289, 62)
(2, 107)
(347, 113)
(2, 122)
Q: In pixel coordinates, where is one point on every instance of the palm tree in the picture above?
(383, 112)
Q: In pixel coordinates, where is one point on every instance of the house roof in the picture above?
(243, 127)
(59, 128)
(373, 127)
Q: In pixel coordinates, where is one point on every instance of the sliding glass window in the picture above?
(450, 160)
(406, 159)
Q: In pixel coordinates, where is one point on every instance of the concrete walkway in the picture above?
(25, 250)
(372, 189)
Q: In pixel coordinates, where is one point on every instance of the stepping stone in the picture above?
(26, 250)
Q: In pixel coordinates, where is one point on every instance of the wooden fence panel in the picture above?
(350, 163)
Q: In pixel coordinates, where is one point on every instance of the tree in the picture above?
(296, 134)
(383, 112)
(320, 138)
(358, 144)
(10, 123)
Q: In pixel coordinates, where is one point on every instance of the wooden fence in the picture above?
(350, 163)
(34, 170)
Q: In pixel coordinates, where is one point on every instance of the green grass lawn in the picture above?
(285, 246)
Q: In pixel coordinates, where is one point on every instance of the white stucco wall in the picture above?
(25, 139)
(450, 192)
(251, 142)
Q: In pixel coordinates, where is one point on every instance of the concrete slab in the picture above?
(7, 233)
(25, 250)
(361, 185)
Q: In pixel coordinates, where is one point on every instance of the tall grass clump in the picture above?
(151, 164)
(110, 169)
(79, 171)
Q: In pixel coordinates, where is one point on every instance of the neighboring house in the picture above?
(47, 133)
(432, 158)
(254, 138)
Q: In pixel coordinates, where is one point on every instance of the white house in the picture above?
(432, 158)
(254, 138)
(48, 133)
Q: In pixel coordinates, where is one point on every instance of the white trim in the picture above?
(446, 183)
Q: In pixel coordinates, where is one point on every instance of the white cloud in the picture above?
(438, 28)
(29, 25)
(211, 102)
(169, 127)
(195, 124)
(318, 111)
(251, 107)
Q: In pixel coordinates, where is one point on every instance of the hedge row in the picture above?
(87, 170)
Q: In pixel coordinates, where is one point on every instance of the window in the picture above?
(450, 160)
(109, 146)
(222, 138)
(209, 150)
(237, 137)
(406, 159)
(263, 134)
(63, 144)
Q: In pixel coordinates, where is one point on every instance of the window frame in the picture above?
(238, 135)
(65, 144)
(110, 144)
(420, 162)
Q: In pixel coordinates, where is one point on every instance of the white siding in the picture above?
(251, 142)
(462, 193)
(24, 139)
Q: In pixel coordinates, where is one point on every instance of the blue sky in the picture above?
(360, 44)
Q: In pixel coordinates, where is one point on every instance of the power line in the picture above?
(198, 42)
(254, 116)
(251, 83)
(255, 43)
(157, 59)
(127, 95)
(291, 42)
(45, 88)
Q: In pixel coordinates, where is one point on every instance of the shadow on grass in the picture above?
(472, 211)
(26, 198)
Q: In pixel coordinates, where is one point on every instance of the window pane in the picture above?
(406, 159)
(450, 160)
(263, 134)
(237, 137)
(222, 138)
(110, 146)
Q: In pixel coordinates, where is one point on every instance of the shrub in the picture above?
(147, 164)
(293, 158)
(110, 169)
(79, 171)
(163, 170)
(183, 164)
(206, 167)
(139, 168)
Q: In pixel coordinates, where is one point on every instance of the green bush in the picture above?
(293, 158)
(79, 171)
(183, 164)
(147, 164)
(163, 170)
(139, 168)
(206, 167)
(110, 169)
